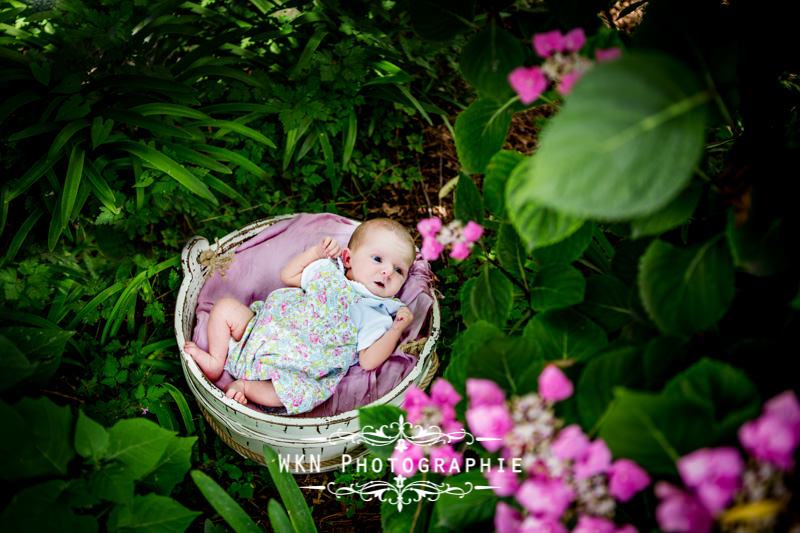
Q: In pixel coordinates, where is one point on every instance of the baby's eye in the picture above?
(376, 258)
(399, 270)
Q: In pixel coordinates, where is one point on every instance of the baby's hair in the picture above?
(395, 227)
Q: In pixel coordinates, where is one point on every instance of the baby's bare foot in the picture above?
(211, 367)
(236, 391)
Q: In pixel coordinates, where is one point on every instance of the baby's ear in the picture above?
(346, 254)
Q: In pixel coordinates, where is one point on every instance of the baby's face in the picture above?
(380, 263)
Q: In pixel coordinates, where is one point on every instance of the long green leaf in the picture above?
(222, 187)
(183, 406)
(165, 108)
(226, 506)
(170, 167)
(243, 107)
(311, 47)
(30, 177)
(238, 128)
(155, 126)
(65, 135)
(223, 72)
(223, 154)
(56, 227)
(350, 138)
(72, 183)
(290, 493)
(3, 207)
(33, 130)
(196, 158)
(100, 187)
(278, 518)
(104, 295)
(19, 237)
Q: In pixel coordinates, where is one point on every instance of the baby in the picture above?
(293, 348)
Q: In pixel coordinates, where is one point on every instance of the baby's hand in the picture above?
(328, 247)
(403, 319)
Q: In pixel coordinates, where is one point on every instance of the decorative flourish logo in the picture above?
(402, 435)
(398, 431)
(399, 493)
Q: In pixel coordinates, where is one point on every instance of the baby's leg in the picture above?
(261, 392)
(228, 318)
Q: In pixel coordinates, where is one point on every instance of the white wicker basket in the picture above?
(247, 430)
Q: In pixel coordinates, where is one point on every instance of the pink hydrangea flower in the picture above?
(786, 407)
(459, 251)
(679, 511)
(528, 82)
(431, 248)
(574, 40)
(554, 385)
(597, 460)
(429, 227)
(484, 392)
(771, 439)
(608, 54)
(406, 457)
(441, 460)
(714, 474)
(626, 478)
(535, 524)
(627, 528)
(443, 394)
(504, 481)
(548, 43)
(571, 443)
(413, 402)
(545, 497)
(472, 232)
(507, 519)
(490, 421)
(594, 524)
(567, 82)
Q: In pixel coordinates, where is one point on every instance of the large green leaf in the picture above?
(472, 339)
(614, 367)
(670, 216)
(494, 183)
(71, 183)
(481, 130)
(46, 430)
(731, 397)
(606, 301)
(42, 508)
(112, 483)
(91, 438)
(625, 143)
(139, 444)
(173, 465)
(566, 250)
(540, 226)
(557, 286)
(686, 290)
(514, 363)
(456, 513)
(152, 513)
(170, 167)
(511, 253)
(487, 59)
(14, 366)
(654, 430)
(564, 334)
(468, 203)
(491, 297)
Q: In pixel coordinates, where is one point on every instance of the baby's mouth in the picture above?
(380, 284)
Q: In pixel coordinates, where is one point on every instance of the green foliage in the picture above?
(132, 455)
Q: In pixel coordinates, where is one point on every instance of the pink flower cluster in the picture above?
(435, 419)
(715, 477)
(562, 66)
(435, 237)
(564, 470)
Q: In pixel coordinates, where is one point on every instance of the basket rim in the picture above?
(189, 255)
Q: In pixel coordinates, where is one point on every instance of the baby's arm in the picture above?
(380, 350)
(292, 273)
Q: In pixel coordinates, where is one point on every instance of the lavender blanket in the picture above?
(255, 272)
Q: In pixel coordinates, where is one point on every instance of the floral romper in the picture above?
(302, 339)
